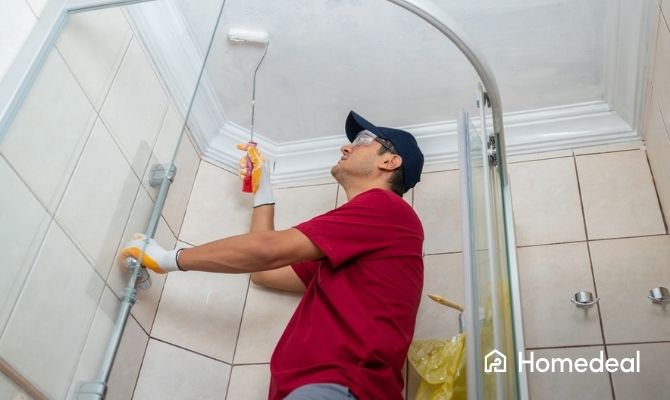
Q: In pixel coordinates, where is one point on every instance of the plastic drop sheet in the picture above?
(441, 366)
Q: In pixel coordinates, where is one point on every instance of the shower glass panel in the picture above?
(489, 324)
(106, 99)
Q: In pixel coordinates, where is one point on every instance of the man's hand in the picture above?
(264, 193)
(151, 255)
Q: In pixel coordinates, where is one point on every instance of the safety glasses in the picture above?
(365, 138)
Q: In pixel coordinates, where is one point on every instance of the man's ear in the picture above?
(390, 163)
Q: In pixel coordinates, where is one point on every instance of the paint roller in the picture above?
(253, 160)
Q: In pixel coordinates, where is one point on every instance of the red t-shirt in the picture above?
(356, 319)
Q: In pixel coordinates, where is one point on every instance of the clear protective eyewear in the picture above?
(365, 138)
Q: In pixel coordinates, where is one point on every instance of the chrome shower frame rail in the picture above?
(431, 13)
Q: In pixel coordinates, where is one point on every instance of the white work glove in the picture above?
(151, 255)
(264, 194)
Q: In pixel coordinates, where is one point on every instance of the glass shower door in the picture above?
(490, 326)
(103, 99)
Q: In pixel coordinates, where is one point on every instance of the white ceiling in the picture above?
(571, 73)
(329, 56)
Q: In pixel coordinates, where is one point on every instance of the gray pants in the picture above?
(321, 391)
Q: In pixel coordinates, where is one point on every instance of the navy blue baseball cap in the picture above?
(404, 143)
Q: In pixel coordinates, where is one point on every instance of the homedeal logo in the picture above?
(496, 361)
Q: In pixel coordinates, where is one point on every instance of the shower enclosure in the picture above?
(92, 132)
(91, 138)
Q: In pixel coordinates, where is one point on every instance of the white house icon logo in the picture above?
(495, 361)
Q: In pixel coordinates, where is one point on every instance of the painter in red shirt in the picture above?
(360, 268)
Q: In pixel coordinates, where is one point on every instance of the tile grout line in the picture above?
(237, 339)
(589, 240)
(593, 276)
(190, 351)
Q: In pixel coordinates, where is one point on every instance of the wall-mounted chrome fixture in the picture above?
(659, 295)
(584, 299)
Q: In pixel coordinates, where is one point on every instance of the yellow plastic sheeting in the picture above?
(441, 366)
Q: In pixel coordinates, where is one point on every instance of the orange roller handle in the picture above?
(253, 176)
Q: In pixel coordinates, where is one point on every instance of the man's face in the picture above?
(358, 158)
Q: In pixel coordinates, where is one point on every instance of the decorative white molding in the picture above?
(545, 129)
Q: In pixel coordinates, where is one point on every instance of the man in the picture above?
(360, 267)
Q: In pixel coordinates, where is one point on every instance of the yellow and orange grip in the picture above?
(252, 178)
(147, 261)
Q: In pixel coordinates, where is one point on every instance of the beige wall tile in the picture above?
(92, 44)
(658, 151)
(48, 328)
(546, 203)
(135, 107)
(217, 207)
(201, 311)
(128, 360)
(266, 314)
(569, 385)
(16, 22)
(437, 202)
(24, 223)
(618, 195)
(550, 275)
(187, 162)
(95, 207)
(169, 372)
(443, 275)
(55, 115)
(249, 382)
(625, 270)
(299, 204)
(652, 380)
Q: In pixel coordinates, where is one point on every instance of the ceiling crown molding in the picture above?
(540, 130)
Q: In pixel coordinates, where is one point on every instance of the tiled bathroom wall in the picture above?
(74, 187)
(567, 243)
(657, 133)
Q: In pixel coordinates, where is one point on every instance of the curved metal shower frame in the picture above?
(436, 17)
